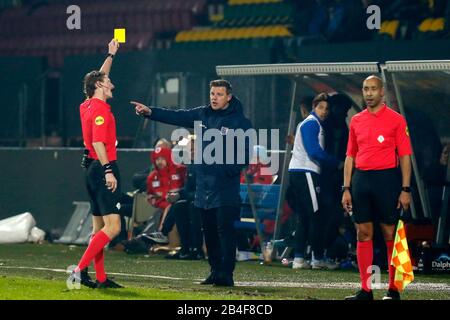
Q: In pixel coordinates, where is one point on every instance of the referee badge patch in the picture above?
(380, 138)
(99, 120)
(155, 184)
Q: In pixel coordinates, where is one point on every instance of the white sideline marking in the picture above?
(422, 286)
(111, 273)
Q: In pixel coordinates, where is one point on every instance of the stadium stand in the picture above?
(41, 30)
(38, 28)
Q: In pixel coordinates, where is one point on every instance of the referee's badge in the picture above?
(118, 206)
(380, 138)
(317, 190)
(99, 120)
(155, 184)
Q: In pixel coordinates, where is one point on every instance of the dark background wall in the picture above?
(135, 73)
(15, 72)
(46, 182)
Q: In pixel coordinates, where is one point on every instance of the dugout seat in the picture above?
(79, 228)
(265, 202)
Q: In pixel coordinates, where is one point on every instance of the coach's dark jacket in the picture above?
(216, 184)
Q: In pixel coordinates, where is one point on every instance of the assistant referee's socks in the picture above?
(390, 248)
(364, 254)
(98, 242)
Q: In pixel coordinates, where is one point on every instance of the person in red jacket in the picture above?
(254, 171)
(165, 181)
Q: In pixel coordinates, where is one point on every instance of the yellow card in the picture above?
(119, 35)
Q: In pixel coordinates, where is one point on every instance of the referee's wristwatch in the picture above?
(406, 189)
(345, 188)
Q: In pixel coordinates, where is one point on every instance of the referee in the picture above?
(102, 174)
(378, 142)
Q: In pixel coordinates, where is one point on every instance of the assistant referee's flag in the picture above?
(401, 259)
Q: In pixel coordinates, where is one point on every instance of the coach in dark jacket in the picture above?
(217, 184)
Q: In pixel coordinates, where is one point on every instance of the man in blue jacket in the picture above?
(308, 156)
(217, 184)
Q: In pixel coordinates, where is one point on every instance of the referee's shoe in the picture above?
(361, 295)
(108, 284)
(392, 295)
(82, 278)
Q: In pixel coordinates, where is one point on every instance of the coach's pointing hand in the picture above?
(141, 109)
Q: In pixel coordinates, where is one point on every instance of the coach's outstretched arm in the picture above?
(113, 46)
(182, 118)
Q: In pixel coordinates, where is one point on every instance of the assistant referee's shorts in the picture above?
(375, 196)
(103, 200)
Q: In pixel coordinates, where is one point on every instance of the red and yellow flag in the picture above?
(401, 259)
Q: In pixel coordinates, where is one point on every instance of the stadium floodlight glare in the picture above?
(418, 65)
(298, 68)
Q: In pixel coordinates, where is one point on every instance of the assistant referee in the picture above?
(378, 142)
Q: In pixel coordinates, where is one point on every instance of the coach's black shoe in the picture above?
(108, 284)
(224, 280)
(361, 295)
(197, 254)
(81, 278)
(210, 280)
(391, 295)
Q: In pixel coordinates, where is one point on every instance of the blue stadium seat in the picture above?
(265, 201)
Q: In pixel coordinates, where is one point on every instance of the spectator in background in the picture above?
(319, 19)
(183, 214)
(164, 182)
(304, 11)
(304, 109)
(305, 184)
(347, 21)
(447, 20)
(336, 137)
(254, 172)
(140, 178)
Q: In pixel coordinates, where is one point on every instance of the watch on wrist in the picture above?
(110, 55)
(345, 188)
(406, 189)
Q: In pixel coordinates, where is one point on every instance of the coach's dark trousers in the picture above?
(220, 237)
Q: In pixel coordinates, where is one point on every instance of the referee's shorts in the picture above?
(103, 200)
(375, 196)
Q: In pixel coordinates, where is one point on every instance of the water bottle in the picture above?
(268, 252)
